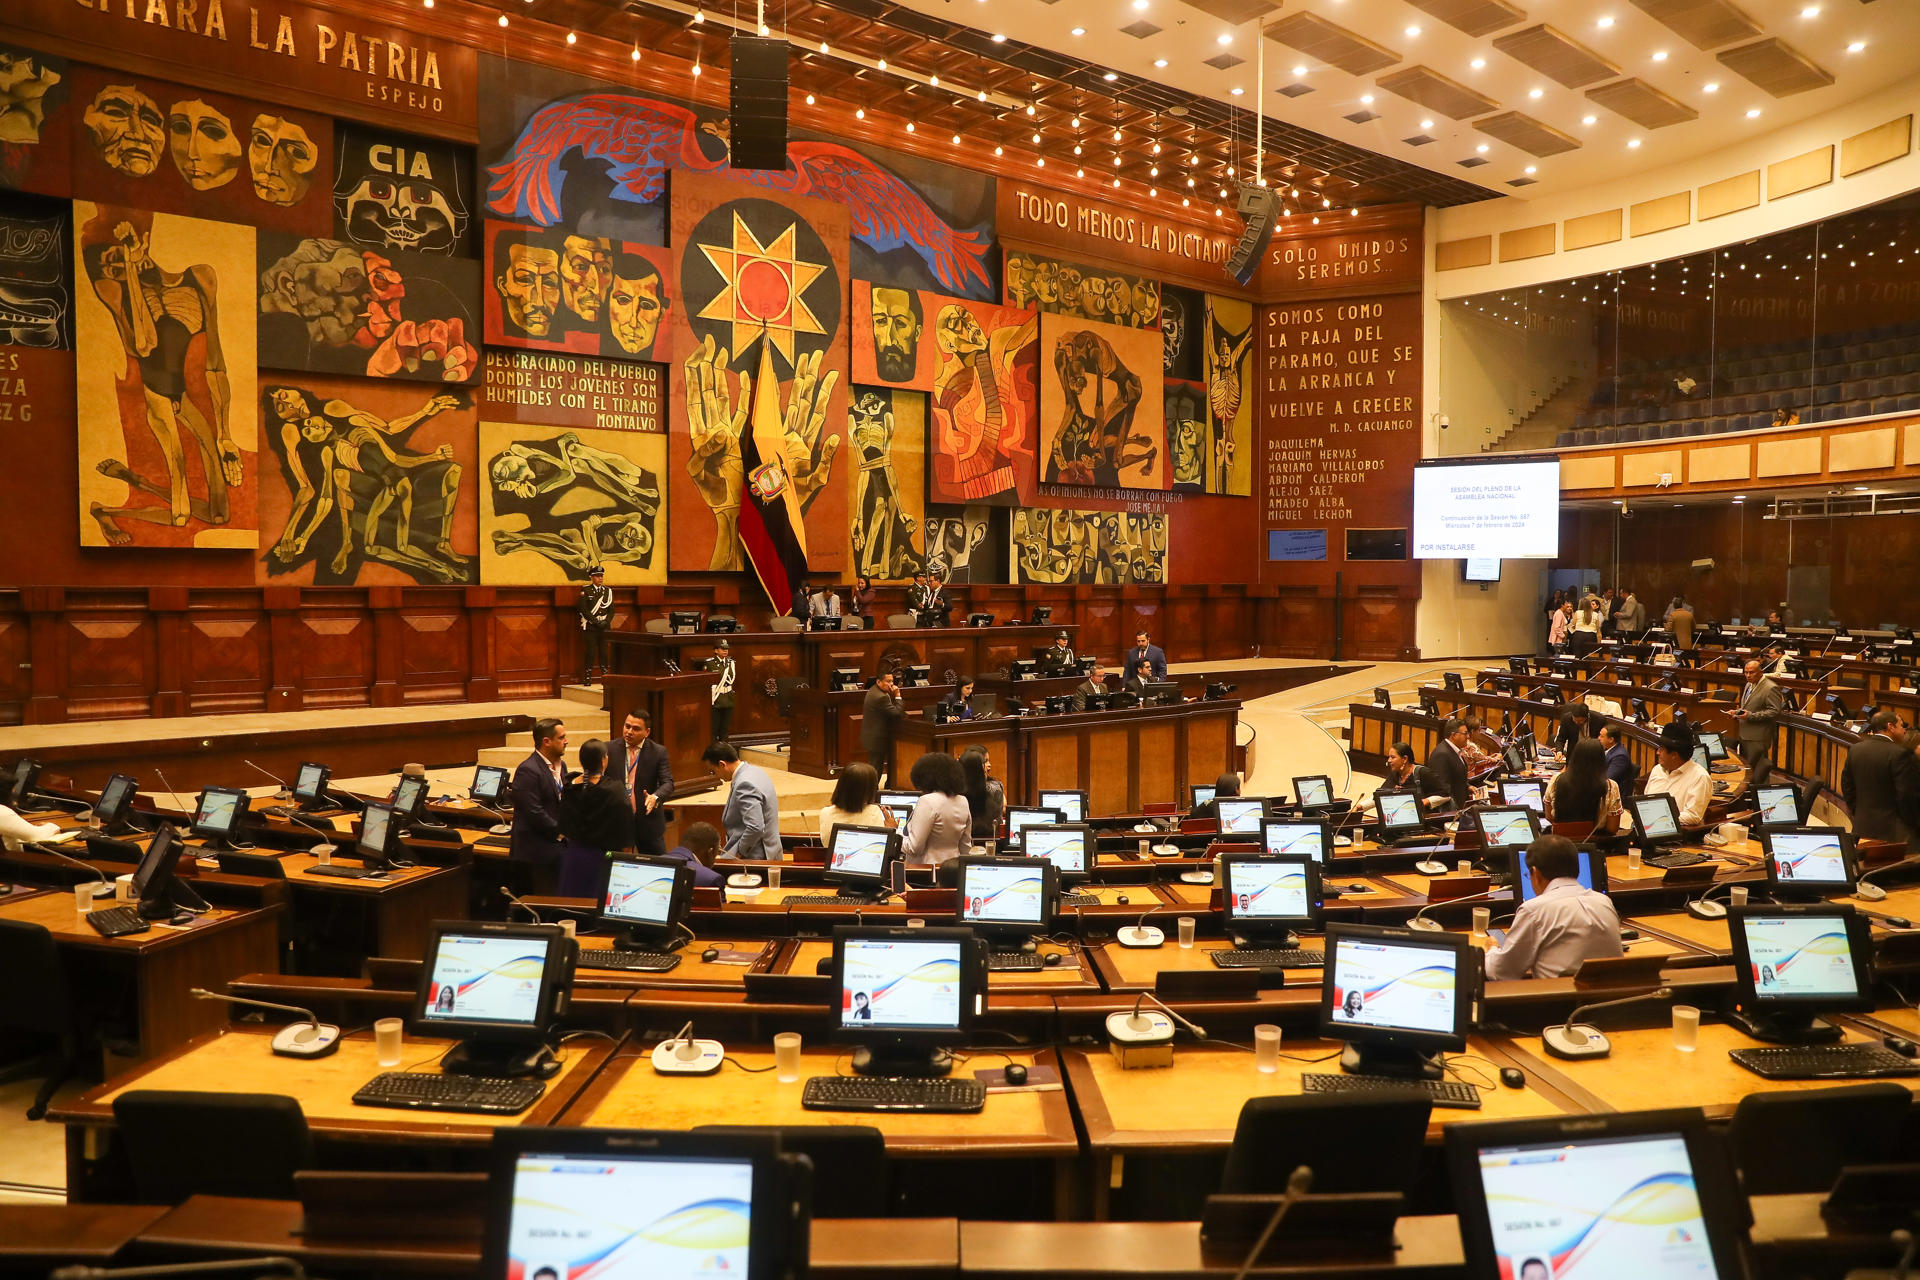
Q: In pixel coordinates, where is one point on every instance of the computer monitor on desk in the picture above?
(1508, 826)
(1267, 897)
(1020, 817)
(218, 814)
(1809, 862)
(1592, 873)
(379, 836)
(1715, 745)
(1290, 837)
(1071, 804)
(1240, 815)
(1525, 792)
(1399, 813)
(1042, 615)
(1008, 900)
(645, 903)
(1199, 794)
(1068, 846)
(683, 622)
(497, 988)
(1792, 963)
(115, 803)
(492, 786)
(410, 799)
(857, 860)
(841, 679)
(1315, 792)
(1776, 806)
(1656, 822)
(310, 784)
(1397, 998)
(906, 997)
(159, 892)
(20, 782)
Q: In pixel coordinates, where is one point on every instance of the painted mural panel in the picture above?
(36, 278)
(1116, 548)
(1229, 339)
(559, 290)
(1101, 407)
(327, 306)
(397, 193)
(888, 429)
(556, 502)
(35, 121)
(1082, 290)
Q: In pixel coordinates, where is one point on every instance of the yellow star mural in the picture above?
(763, 289)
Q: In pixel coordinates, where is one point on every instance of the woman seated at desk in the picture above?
(1582, 792)
(941, 825)
(855, 802)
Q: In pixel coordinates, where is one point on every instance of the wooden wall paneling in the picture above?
(1156, 771)
(1110, 767)
(1209, 752)
(526, 654)
(110, 671)
(756, 667)
(1302, 624)
(482, 682)
(16, 659)
(166, 607)
(227, 656)
(1377, 625)
(434, 651)
(334, 641)
(1227, 626)
(1183, 627)
(1100, 626)
(284, 685)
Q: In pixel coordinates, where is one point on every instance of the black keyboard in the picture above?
(1825, 1062)
(826, 900)
(1082, 899)
(1014, 961)
(117, 922)
(1442, 1093)
(431, 1091)
(342, 872)
(630, 961)
(893, 1093)
(1667, 861)
(1269, 958)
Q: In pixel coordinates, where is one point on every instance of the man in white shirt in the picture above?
(1562, 925)
(16, 830)
(1680, 776)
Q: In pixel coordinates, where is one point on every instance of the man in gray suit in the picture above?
(1760, 707)
(752, 813)
(1881, 783)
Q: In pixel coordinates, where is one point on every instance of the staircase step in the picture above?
(590, 695)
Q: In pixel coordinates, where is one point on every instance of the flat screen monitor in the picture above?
(1481, 569)
(310, 783)
(683, 621)
(1284, 836)
(1528, 744)
(1399, 811)
(1453, 682)
(1382, 697)
(1266, 895)
(1811, 860)
(858, 856)
(918, 675)
(153, 877)
(1198, 795)
(410, 798)
(647, 898)
(629, 1204)
(979, 619)
(1524, 792)
(841, 679)
(1474, 509)
(484, 980)
(378, 834)
(1716, 745)
(1508, 827)
(1313, 793)
(1007, 896)
(116, 799)
(1638, 706)
(1071, 804)
(899, 804)
(220, 812)
(1592, 873)
(490, 784)
(1793, 962)
(1701, 758)
(1656, 819)
(1067, 846)
(905, 995)
(1644, 1194)
(1396, 994)
(1020, 817)
(21, 781)
(1240, 815)
(1042, 615)
(1778, 806)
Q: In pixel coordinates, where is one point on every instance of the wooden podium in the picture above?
(681, 708)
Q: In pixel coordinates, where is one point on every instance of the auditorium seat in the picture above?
(786, 624)
(656, 626)
(849, 1164)
(1784, 1143)
(182, 1144)
(1353, 1143)
(900, 621)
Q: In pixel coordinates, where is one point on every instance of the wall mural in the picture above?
(1229, 337)
(1188, 435)
(561, 291)
(35, 126)
(967, 544)
(393, 192)
(1101, 409)
(557, 502)
(888, 429)
(372, 484)
(1076, 289)
(166, 355)
(153, 145)
(36, 280)
(327, 306)
(1183, 315)
(1101, 547)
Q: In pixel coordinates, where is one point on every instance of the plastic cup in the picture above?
(773, 876)
(786, 1057)
(1737, 896)
(1482, 917)
(83, 897)
(1686, 1028)
(1464, 866)
(323, 854)
(1186, 931)
(568, 926)
(1266, 1048)
(1633, 859)
(386, 1039)
(1146, 846)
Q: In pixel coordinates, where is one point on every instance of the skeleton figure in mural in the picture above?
(882, 532)
(158, 314)
(971, 393)
(1223, 395)
(25, 82)
(327, 443)
(623, 535)
(527, 472)
(1091, 446)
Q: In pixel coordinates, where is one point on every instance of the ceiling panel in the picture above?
(1333, 44)
(1704, 24)
(1641, 103)
(1431, 89)
(1531, 136)
(1475, 17)
(1777, 67)
(1556, 55)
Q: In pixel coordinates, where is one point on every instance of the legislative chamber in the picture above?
(1004, 641)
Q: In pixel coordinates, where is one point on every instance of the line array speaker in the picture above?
(757, 120)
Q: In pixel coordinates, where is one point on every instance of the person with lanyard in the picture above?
(1562, 926)
(596, 619)
(721, 664)
(639, 773)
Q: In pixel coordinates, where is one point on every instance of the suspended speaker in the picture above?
(757, 122)
(1259, 206)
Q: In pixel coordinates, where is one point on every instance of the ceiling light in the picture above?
(1036, 137)
(1153, 191)
(1079, 173)
(1184, 202)
(1189, 182)
(572, 38)
(428, 3)
(956, 139)
(1711, 86)
(1029, 108)
(1116, 182)
(1588, 119)
(1041, 162)
(1223, 193)
(1076, 148)
(1533, 168)
(882, 64)
(1482, 148)
(859, 113)
(999, 37)
(1299, 71)
(1140, 6)
(503, 19)
(1605, 22)
(982, 95)
(1536, 93)
(1326, 203)
(1426, 124)
(1633, 144)
(1856, 46)
(999, 151)
(1116, 162)
(1413, 31)
(909, 126)
(1753, 113)
(1223, 39)
(1079, 31)
(1156, 148)
(1154, 172)
(1237, 91)
(1811, 11)
(1366, 99)
(696, 68)
(1074, 123)
(934, 81)
(1110, 76)
(824, 48)
(1659, 55)
(765, 30)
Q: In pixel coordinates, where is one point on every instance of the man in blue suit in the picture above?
(1619, 764)
(1146, 660)
(536, 805)
(751, 815)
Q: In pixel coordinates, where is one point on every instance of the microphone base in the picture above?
(323, 1040)
(1707, 910)
(1426, 924)
(1867, 891)
(1140, 935)
(1554, 1040)
(668, 1062)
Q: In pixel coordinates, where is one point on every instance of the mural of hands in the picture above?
(714, 423)
(809, 458)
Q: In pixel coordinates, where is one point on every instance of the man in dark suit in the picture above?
(1094, 686)
(1759, 710)
(537, 784)
(880, 713)
(1619, 764)
(1881, 783)
(638, 772)
(1576, 722)
(1447, 767)
(1146, 660)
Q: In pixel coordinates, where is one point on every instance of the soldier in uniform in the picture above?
(721, 664)
(596, 619)
(1059, 660)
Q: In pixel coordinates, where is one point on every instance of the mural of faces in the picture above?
(636, 303)
(393, 192)
(323, 282)
(1090, 293)
(586, 269)
(897, 321)
(567, 291)
(127, 129)
(25, 81)
(281, 158)
(202, 143)
(529, 284)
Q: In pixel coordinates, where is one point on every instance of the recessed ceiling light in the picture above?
(1533, 168)
(1413, 31)
(1711, 86)
(1140, 5)
(1605, 22)
(1659, 55)
(1482, 148)
(1159, 62)
(1079, 31)
(1478, 63)
(1589, 119)
(1036, 137)
(1536, 93)
(1426, 124)
(1856, 46)
(1367, 99)
(1811, 11)
(1753, 113)
(1224, 38)
(999, 37)
(809, 99)
(1110, 76)
(1237, 91)
(1633, 144)
(1299, 71)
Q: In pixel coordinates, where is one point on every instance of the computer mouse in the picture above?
(1053, 959)
(823, 967)
(1028, 946)
(1897, 922)
(1513, 1077)
(1016, 1074)
(1629, 935)
(1122, 899)
(1905, 1048)
(710, 954)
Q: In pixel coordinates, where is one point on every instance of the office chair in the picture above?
(36, 1004)
(849, 1164)
(1809, 796)
(1798, 1142)
(901, 622)
(183, 1144)
(787, 623)
(1352, 1143)
(656, 626)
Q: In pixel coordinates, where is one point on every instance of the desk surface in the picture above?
(1196, 1102)
(629, 1094)
(54, 911)
(1047, 1250)
(240, 1058)
(1073, 975)
(298, 866)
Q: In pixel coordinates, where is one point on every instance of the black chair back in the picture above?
(35, 990)
(183, 1144)
(1785, 1143)
(1352, 1143)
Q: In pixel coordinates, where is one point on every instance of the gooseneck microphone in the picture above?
(1576, 1039)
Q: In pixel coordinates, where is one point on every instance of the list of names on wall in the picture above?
(574, 391)
(1340, 397)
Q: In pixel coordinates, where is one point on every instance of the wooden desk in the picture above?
(390, 916)
(824, 731)
(35, 1238)
(998, 736)
(1130, 758)
(1645, 1071)
(681, 710)
(240, 1058)
(154, 970)
(1710, 936)
(1074, 975)
(1139, 968)
(1429, 1247)
(692, 973)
